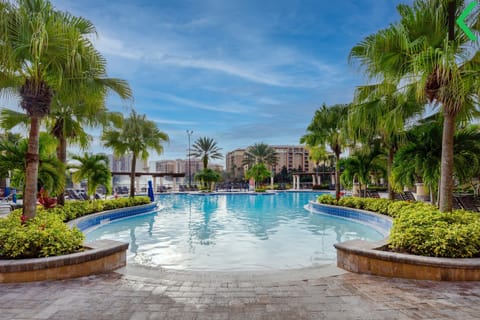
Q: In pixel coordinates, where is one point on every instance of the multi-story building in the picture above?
(291, 157)
(124, 164)
(234, 164)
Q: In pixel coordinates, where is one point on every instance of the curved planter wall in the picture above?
(99, 257)
(367, 257)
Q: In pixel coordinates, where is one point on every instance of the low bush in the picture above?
(75, 209)
(260, 189)
(429, 232)
(420, 228)
(43, 236)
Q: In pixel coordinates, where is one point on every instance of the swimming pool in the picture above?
(233, 232)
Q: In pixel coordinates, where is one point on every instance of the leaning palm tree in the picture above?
(417, 52)
(95, 169)
(136, 136)
(206, 148)
(328, 128)
(43, 52)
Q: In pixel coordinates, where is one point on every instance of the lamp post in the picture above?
(189, 133)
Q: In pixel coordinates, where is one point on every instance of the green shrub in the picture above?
(327, 199)
(420, 228)
(260, 189)
(429, 232)
(43, 236)
(75, 209)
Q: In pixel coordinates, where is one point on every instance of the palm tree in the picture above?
(416, 52)
(261, 153)
(419, 160)
(361, 164)
(208, 177)
(316, 154)
(136, 137)
(206, 148)
(380, 112)
(43, 52)
(258, 172)
(328, 128)
(13, 159)
(95, 169)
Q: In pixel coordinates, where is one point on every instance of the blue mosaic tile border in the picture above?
(100, 218)
(379, 222)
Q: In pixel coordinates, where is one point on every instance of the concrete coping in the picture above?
(93, 251)
(374, 250)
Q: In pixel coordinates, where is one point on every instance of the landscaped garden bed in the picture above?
(46, 248)
(424, 243)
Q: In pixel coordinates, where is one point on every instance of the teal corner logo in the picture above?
(461, 20)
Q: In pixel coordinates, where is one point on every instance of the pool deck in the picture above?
(313, 293)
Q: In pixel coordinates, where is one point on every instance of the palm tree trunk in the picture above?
(446, 174)
(337, 175)
(389, 173)
(62, 156)
(132, 176)
(205, 162)
(31, 171)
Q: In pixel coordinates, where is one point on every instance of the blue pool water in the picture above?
(233, 232)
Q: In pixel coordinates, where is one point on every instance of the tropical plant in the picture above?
(417, 52)
(258, 172)
(419, 159)
(44, 52)
(206, 148)
(136, 136)
(260, 153)
(95, 169)
(207, 177)
(13, 160)
(361, 165)
(328, 127)
(381, 112)
(316, 154)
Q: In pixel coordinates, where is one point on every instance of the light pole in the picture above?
(189, 133)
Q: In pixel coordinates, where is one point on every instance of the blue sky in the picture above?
(240, 72)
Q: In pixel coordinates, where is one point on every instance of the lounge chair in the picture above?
(373, 194)
(466, 202)
(408, 196)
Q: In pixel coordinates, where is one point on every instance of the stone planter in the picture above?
(422, 193)
(99, 257)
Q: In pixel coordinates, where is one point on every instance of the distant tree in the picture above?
(206, 148)
(258, 172)
(207, 177)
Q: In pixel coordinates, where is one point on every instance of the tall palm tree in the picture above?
(260, 153)
(43, 51)
(94, 168)
(381, 112)
(328, 127)
(206, 148)
(416, 52)
(136, 136)
(13, 160)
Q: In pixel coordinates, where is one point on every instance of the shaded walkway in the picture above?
(345, 296)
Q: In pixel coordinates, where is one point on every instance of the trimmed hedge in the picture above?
(420, 228)
(47, 234)
(75, 209)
